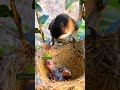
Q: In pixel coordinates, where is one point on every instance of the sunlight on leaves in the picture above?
(68, 3)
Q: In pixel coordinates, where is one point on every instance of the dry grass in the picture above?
(14, 62)
(103, 63)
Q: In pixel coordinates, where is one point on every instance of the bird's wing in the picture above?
(51, 24)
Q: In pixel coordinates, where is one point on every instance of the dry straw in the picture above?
(14, 62)
(103, 62)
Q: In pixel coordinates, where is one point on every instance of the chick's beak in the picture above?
(66, 73)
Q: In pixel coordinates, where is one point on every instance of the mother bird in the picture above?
(62, 28)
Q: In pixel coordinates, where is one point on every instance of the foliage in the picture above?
(1, 51)
(81, 31)
(37, 8)
(37, 47)
(68, 3)
(37, 1)
(4, 11)
(114, 3)
(43, 19)
(37, 30)
(47, 55)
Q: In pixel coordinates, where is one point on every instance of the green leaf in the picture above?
(25, 27)
(37, 8)
(43, 19)
(39, 37)
(68, 3)
(72, 7)
(4, 10)
(37, 30)
(37, 1)
(1, 51)
(114, 3)
(47, 55)
(82, 27)
(37, 47)
(79, 23)
(33, 3)
(82, 1)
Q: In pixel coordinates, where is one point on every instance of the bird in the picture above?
(57, 74)
(62, 28)
(65, 73)
(54, 73)
(60, 74)
(49, 64)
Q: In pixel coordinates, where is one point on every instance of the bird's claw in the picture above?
(46, 47)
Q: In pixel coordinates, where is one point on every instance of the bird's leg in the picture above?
(53, 42)
(73, 42)
(48, 46)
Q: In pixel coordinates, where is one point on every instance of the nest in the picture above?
(14, 62)
(103, 62)
(70, 56)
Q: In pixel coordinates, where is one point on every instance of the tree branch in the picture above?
(17, 21)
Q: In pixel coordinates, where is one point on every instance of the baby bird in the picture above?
(65, 73)
(54, 73)
(59, 74)
(49, 65)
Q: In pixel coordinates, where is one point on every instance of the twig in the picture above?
(41, 32)
(9, 31)
(17, 21)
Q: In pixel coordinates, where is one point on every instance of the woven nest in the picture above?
(103, 62)
(70, 56)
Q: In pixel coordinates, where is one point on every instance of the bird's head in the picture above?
(49, 64)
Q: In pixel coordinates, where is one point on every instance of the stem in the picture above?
(9, 31)
(41, 32)
(17, 21)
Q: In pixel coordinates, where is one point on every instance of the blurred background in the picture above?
(8, 29)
